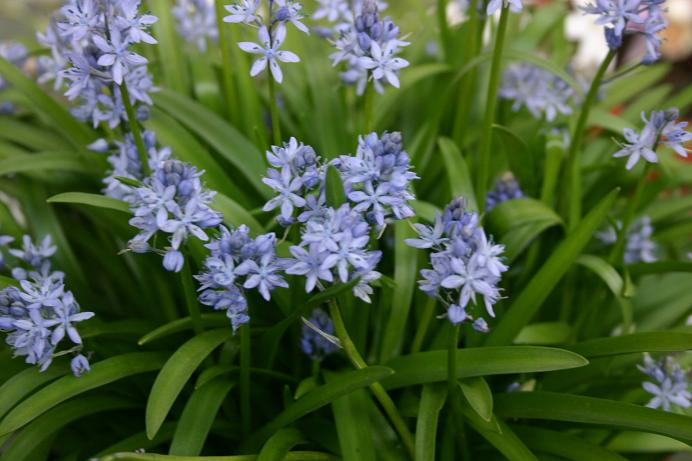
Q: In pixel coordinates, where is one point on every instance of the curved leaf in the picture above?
(24, 383)
(458, 174)
(185, 323)
(292, 456)
(544, 334)
(432, 400)
(279, 444)
(234, 214)
(590, 410)
(614, 281)
(354, 425)
(479, 396)
(431, 366)
(517, 222)
(659, 267)
(198, 416)
(564, 445)
(43, 161)
(95, 200)
(176, 372)
(663, 341)
(102, 373)
(531, 298)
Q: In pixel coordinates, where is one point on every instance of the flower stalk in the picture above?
(134, 127)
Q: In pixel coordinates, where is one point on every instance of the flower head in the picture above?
(269, 52)
(669, 384)
(506, 188)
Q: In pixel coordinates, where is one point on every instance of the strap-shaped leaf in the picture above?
(458, 173)
(24, 383)
(563, 445)
(279, 444)
(431, 366)
(176, 372)
(590, 410)
(51, 161)
(530, 299)
(654, 341)
(432, 400)
(102, 373)
(95, 200)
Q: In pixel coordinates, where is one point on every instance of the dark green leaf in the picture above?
(279, 444)
(431, 402)
(544, 334)
(99, 201)
(663, 341)
(335, 188)
(51, 161)
(185, 323)
(22, 384)
(564, 445)
(235, 215)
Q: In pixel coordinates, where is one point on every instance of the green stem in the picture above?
(274, 112)
(452, 362)
(491, 101)
(423, 324)
(444, 28)
(245, 368)
(191, 298)
(226, 67)
(573, 173)
(368, 108)
(376, 388)
(468, 81)
(134, 127)
(617, 253)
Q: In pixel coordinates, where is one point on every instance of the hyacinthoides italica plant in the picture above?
(320, 251)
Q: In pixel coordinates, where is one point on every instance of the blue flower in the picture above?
(310, 264)
(506, 188)
(196, 22)
(79, 365)
(269, 51)
(494, 5)
(317, 339)
(135, 24)
(32, 254)
(117, 55)
(289, 11)
(639, 244)
(670, 386)
(244, 12)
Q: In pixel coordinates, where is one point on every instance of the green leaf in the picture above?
(432, 400)
(608, 121)
(234, 214)
(7, 281)
(321, 396)
(292, 456)
(225, 139)
(50, 423)
(34, 137)
(458, 174)
(659, 267)
(176, 372)
(530, 299)
(185, 323)
(555, 406)
(518, 222)
(424, 210)
(279, 444)
(563, 445)
(331, 292)
(643, 442)
(102, 373)
(198, 416)
(519, 157)
(56, 113)
(95, 200)
(169, 47)
(335, 188)
(662, 341)
(139, 440)
(431, 366)
(613, 280)
(479, 396)
(405, 275)
(24, 383)
(544, 334)
(621, 90)
(59, 161)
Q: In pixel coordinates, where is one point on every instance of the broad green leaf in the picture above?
(176, 372)
(662, 341)
(479, 396)
(432, 400)
(102, 373)
(531, 298)
(458, 174)
(544, 334)
(198, 416)
(7, 281)
(321, 396)
(50, 423)
(659, 267)
(670, 207)
(517, 222)
(621, 90)
(614, 281)
(519, 157)
(169, 47)
(225, 139)
(590, 410)
(643, 442)
(185, 323)
(54, 112)
(354, 426)
(431, 366)
(95, 200)
(279, 444)
(405, 275)
(334, 188)
(24, 383)
(234, 214)
(58, 161)
(606, 120)
(34, 137)
(563, 445)
(123, 328)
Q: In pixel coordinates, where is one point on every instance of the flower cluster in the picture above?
(236, 263)
(494, 5)
(91, 43)
(39, 313)
(196, 22)
(317, 340)
(464, 263)
(639, 245)
(172, 200)
(369, 46)
(543, 93)
(506, 188)
(340, 14)
(630, 17)
(272, 32)
(670, 385)
(17, 55)
(662, 127)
